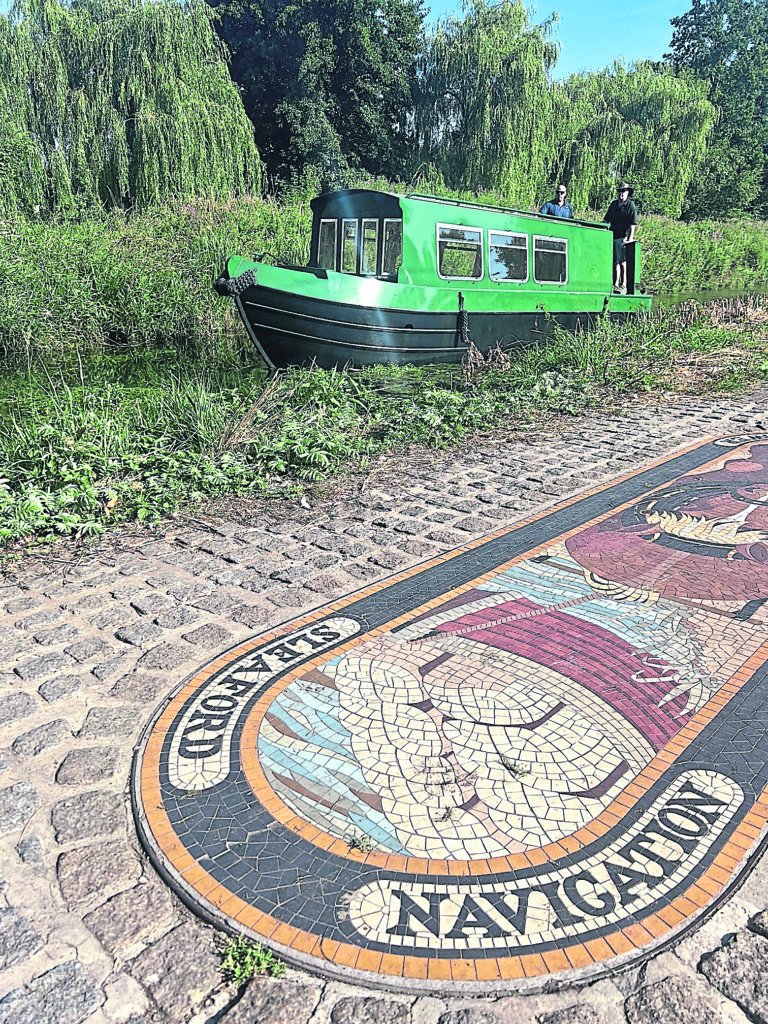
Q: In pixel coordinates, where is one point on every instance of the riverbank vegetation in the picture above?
(143, 281)
(94, 440)
(700, 255)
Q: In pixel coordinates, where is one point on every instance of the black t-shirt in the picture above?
(620, 216)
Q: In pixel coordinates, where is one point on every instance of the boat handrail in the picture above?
(502, 209)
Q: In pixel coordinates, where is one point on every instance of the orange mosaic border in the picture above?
(551, 852)
(654, 929)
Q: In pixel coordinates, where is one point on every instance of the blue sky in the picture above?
(592, 34)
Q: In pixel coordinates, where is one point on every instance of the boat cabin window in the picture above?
(349, 246)
(507, 256)
(370, 248)
(326, 245)
(550, 260)
(459, 252)
(392, 250)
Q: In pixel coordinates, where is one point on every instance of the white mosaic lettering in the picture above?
(636, 869)
(738, 439)
(200, 754)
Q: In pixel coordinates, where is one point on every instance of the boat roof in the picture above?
(423, 197)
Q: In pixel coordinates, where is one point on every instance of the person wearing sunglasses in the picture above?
(621, 215)
(558, 207)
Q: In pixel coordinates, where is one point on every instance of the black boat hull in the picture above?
(296, 330)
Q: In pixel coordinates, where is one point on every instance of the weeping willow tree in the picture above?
(22, 168)
(641, 123)
(117, 103)
(484, 107)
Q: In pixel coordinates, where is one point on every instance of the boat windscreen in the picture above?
(370, 247)
(349, 246)
(326, 245)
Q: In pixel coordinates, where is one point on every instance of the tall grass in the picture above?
(142, 281)
(680, 256)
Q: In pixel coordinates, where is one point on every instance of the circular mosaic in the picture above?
(537, 755)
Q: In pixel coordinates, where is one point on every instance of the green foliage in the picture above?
(129, 104)
(327, 83)
(489, 116)
(641, 123)
(81, 450)
(724, 43)
(359, 841)
(243, 960)
(140, 281)
(23, 170)
(483, 112)
(108, 439)
(730, 182)
(703, 254)
(107, 103)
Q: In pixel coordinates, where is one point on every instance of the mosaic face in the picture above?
(539, 752)
(503, 721)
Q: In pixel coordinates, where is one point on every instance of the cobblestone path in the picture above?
(92, 642)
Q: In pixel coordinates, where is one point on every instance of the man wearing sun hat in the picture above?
(622, 217)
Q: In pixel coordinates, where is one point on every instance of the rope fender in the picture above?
(234, 286)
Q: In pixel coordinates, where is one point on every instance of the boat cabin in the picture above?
(358, 232)
(425, 240)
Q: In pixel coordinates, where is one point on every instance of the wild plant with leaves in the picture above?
(101, 440)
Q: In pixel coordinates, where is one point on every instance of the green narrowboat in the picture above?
(413, 278)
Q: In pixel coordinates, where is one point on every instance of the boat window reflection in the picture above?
(370, 247)
(326, 246)
(392, 254)
(459, 252)
(349, 246)
(550, 260)
(507, 256)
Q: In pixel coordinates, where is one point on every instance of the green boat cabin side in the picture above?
(413, 246)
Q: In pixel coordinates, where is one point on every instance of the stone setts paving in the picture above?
(93, 643)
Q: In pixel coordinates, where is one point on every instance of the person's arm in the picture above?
(630, 237)
(546, 209)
